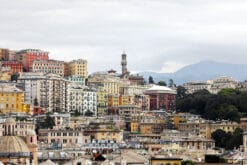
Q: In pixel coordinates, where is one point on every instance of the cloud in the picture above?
(156, 35)
(171, 66)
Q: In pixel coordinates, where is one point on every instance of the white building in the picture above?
(48, 90)
(82, 100)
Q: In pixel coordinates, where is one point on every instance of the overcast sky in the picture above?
(157, 35)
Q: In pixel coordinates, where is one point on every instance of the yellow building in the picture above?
(113, 100)
(205, 129)
(105, 82)
(102, 103)
(178, 119)
(104, 131)
(11, 99)
(78, 67)
(148, 124)
(124, 100)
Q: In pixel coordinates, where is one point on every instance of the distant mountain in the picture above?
(201, 71)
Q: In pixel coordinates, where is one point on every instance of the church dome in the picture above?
(13, 146)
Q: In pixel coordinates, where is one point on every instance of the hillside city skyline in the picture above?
(113, 82)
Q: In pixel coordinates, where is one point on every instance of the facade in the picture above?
(16, 66)
(49, 91)
(104, 131)
(83, 100)
(192, 87)
(105, 82)
(213, 86)
(30, 82)
(12, 99)
(4, 54)
(102, 103)
(148, 124)
(161, 98)
(48, 66)
(63, 137)
(206, 128)
(76, 80)
(78, 67)
(27, 57)
(221, 83)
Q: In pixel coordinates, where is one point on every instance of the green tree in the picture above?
(181, 92)
(88, 113)
(49, 122)
(150, 80)
(171, 83)
(162, 83)
(220, 137)
(187, 162)
(228, 140)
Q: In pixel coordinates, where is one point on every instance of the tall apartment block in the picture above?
(27, 57)
(78, 67)
(48, 66)
(49, 90)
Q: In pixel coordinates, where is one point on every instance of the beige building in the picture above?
(21, 127)
(106, 82)
(63, 137)
(206, 128)
(78, 67)
(104, 131)
(48, 66)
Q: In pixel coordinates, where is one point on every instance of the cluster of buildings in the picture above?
(54, 112)
(215, 85)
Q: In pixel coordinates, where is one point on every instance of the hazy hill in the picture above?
(201, 71)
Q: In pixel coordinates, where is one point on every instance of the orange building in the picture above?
(16, 66)
(26, 57)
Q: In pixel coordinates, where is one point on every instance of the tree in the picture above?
(150, 80)
(228, 141)
(181, 92)
(171, 83)
(187, 162)
(88, 113)
(49, 122)
(220, 137)
(162, 83)
(36, 102)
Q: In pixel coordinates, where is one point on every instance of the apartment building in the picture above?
(16, 66)
(83, 100)
(64, 137)
(48, 66)
(27, 56)
(12, 99)
(78, 67)
(49, 91)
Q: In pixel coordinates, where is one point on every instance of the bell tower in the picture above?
(124, 64)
